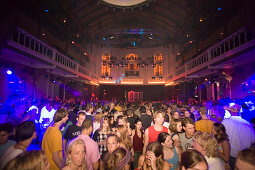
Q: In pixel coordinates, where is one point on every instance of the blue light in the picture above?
(9, 72)
(219, 9)
(104, 38)
(46, 10)
(134, 43)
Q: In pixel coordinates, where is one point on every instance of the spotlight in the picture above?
(54, 81)
(9, 72)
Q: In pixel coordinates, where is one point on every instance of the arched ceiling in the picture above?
(151, 23)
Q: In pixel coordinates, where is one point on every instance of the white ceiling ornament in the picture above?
(124, 3)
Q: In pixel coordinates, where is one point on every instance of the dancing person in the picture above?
(186, 137)
(245, 159)
(152, 132)
(207, 145)
(172, 154)
(32, 160)
(175, 129)
(137, 136)
(76, 155)
(25, 133)
(74, 130)
(119, 159)
(153, 159)
(52, 140)
(192, 159)
(221, 136)
(92, 151)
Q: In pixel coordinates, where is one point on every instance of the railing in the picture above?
(50, 54)
(214, 53)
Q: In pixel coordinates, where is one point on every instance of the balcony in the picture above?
(26, 49)
(219, 56)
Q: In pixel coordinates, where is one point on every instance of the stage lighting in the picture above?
(9, 72)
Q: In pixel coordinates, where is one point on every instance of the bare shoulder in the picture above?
(166, 165)
(66, 168)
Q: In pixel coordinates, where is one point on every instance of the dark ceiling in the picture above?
(156, 23)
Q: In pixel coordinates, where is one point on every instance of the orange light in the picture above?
(168, 84)
(64, 20)
(94, 83)
(156, 82)
(201, 20)
(107, 82)
(131, 82)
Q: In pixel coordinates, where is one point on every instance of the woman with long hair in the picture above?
(219, 132)
(33, 160)
(192, 159)
(137, 135)
(176, 128)
(101, 135)
(119, 159)
(76, 155)
(97, 121)
(125, 140)
(153, 159)
(172, 154)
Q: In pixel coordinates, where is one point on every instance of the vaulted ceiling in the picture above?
(151, 23)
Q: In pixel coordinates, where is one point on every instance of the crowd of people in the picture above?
(79, 135)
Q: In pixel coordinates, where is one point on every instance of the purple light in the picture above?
(9, 72)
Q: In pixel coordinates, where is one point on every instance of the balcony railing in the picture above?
(234, 43)
(49, 54)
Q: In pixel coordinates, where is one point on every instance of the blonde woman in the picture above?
(32, 160)
(76, 155)
(101, 135)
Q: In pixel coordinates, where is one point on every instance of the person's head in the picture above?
(112, 105)
(89, 107)
(121, 120)
(34, 160)
(122, 132)
(203, 111)
(245, 159)
(165, 140)
(193, 160)
(142, 109)
(192, 109)
(219, 132)
(176, 114)
(5, 132)
(76, 154)
(188, 126)
(97, 117)
(49, 106)
(154, 148)
(176, 126)
(81, 116)
(25, 130)
(159, 117)
(104, 124)
(87, 125)
(186, 113)
(61, 115)
(112, 142)
(119, 159)
(206, 144)
(138, 124)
